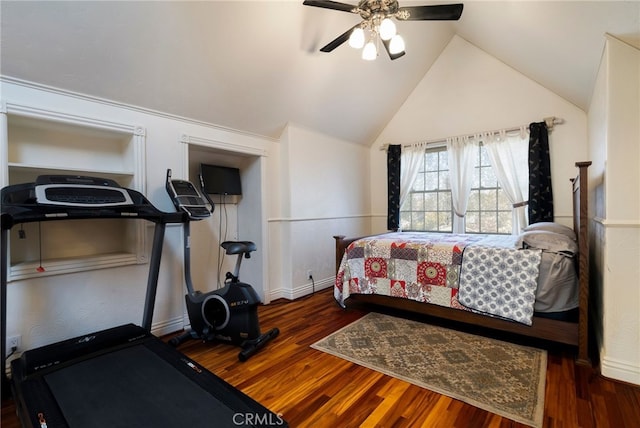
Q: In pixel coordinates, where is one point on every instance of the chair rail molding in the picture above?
(617, 223)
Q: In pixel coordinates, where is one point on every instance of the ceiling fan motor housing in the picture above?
(368, 9)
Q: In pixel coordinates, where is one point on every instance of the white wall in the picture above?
(324, 184)
(614, 138)
(468, 91)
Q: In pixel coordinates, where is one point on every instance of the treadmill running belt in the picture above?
(133, 387)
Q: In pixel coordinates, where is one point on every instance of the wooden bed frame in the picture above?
(570, 333)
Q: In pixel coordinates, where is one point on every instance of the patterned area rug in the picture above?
(500, 377)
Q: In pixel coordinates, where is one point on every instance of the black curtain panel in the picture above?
(393, 186)
(540, 190)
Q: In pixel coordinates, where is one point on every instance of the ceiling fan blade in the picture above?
(386, 44)
(338, 40)
(443, 12)
(328, 4)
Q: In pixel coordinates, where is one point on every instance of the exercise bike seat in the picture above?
(239, 247)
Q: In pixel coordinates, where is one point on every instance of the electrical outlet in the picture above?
(13, 341)
(309, 274)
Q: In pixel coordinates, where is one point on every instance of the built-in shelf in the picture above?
(31, 269)
(45, 142)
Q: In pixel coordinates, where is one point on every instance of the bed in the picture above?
(543, 276)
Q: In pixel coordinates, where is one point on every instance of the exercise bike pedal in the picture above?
(250, 347)
(177, 340)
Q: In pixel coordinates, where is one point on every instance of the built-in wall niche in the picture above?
(43, 142)
(198, 156)
(235, 217)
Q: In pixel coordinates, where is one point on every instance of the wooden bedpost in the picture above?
(581, 228)
(339, 250)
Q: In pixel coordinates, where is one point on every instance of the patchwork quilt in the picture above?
(482, 273)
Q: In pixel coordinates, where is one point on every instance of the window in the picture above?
(429, 207)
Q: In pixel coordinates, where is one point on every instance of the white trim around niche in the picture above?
(221, 145)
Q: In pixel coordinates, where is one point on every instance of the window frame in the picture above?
(501, 214)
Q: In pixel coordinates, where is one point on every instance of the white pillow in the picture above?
(548, 241)
(549, 226)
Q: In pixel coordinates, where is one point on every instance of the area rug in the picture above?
(500, 377)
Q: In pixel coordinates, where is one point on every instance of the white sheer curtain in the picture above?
(410, 160)
(461, 151)
(508, 154)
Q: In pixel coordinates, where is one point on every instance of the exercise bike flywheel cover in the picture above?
(215, 312)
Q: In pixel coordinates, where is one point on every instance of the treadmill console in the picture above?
(80, 191)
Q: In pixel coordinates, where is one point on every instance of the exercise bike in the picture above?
(229, 314)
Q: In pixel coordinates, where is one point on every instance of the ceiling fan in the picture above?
(376, 19)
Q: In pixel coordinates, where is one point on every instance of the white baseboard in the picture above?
(620, 370)
(302, 290)
(168, 326)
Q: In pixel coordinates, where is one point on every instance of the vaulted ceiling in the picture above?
(254, 66)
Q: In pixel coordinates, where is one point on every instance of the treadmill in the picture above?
(123, 376)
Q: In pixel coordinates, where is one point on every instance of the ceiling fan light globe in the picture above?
(396, 45)
(387, 29)
(356, 39)
(369, 52)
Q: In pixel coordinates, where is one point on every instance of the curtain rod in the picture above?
(549, 121)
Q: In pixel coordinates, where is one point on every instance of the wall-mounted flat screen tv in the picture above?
(220, 180)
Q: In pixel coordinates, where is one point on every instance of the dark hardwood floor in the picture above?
(313, 389)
